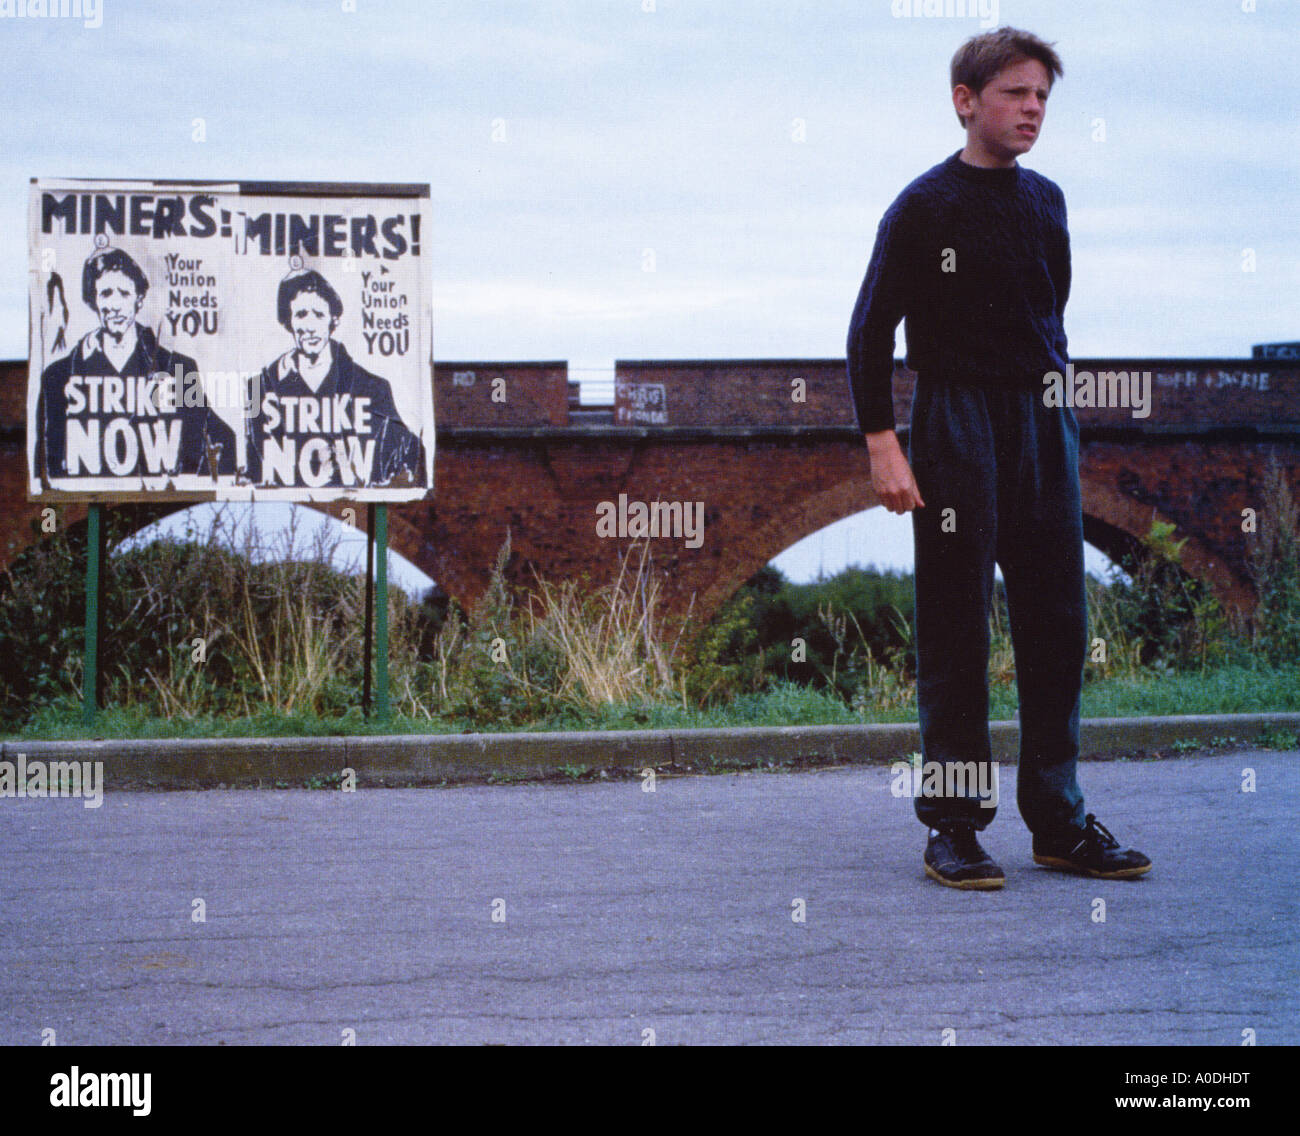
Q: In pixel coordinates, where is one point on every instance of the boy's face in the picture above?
(1004, 119)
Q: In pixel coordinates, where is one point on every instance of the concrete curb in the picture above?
(423, 759)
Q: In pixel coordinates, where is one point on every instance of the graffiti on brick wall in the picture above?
(1215, 380)
(640, 404)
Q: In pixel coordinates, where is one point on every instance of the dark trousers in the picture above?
(999, 474)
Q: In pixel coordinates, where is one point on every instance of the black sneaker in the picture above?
(1090, 851)
(954, 857)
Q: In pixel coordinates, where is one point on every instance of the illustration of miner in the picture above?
(324, 419)
(119, 404)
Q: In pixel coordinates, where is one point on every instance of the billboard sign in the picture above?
(229, 341)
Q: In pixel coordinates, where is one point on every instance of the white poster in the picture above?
(229, 341)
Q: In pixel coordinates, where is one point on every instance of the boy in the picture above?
(975, 256)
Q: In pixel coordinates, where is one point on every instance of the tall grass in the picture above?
(520, 655)
(611, 640)
(230, 624)
(281, 630)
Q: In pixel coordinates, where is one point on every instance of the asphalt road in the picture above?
(626, 911)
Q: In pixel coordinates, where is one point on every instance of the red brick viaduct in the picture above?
(770, 449)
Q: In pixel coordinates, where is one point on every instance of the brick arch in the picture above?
(23, 530)
(771, 469)
(1122, 521)
(807, 515)
(1113, 522)
(454, 538)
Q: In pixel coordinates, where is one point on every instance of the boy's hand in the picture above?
(891, 476)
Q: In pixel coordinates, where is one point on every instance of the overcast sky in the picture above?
(742, 149)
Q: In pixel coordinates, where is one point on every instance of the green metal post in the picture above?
(369, 627)
(381, 612)
(90, 672)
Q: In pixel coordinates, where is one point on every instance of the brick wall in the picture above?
(501, 394)
(771, 392)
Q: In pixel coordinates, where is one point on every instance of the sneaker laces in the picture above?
(1096, 834)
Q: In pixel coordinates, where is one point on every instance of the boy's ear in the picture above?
(962, 99)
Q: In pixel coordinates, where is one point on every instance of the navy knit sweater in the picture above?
(976, 262)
